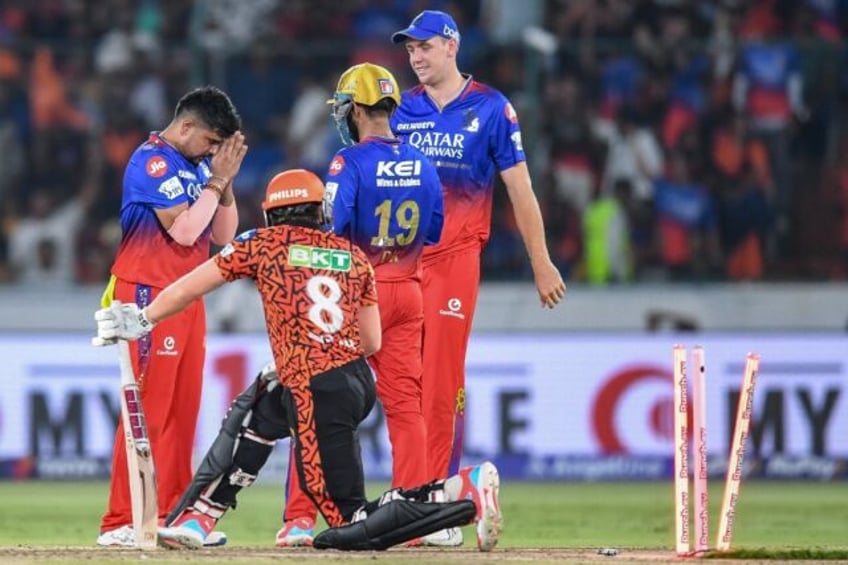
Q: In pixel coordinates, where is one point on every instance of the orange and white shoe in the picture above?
(296, 533)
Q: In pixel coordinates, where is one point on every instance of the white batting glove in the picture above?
(120, 321)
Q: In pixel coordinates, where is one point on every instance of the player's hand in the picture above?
(549, 284)
(120, 321)
(226, 161)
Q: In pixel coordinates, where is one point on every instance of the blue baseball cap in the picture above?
(427, 24)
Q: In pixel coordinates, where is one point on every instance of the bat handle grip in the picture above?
(125, 362)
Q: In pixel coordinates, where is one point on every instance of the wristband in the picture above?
(144, 322)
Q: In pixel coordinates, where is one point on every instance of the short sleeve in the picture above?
(238, 259)
(506, 148)
(341, 189)
(156, 181)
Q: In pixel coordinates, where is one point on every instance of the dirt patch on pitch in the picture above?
(236, 555)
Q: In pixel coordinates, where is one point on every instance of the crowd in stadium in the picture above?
(670, 140)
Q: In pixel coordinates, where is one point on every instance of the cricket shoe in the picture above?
(296, 533)
(191, 530)
(214, 539)
(449, 537)
(481, 485)
(119, 537)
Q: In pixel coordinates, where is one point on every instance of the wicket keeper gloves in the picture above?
(120, 321)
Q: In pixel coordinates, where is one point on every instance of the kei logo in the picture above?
(156, 166)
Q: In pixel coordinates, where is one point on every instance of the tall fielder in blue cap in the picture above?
(471, 132)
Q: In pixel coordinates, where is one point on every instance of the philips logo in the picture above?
(398, 168)
(287, 194)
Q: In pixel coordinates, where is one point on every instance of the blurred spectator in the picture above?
(575, 154)
(311, 138)
(229, 26)
(743, 215)
(686, 224)
(505, 20)
(752, 97)
(687, 99)
(262, 89)
(633, 154)
(42, 243)
(13, 122)
(606, 237)
(768, 87)
(148, 99)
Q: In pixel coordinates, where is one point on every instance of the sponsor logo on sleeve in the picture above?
(516, 140)
(336, 165)
(156, 166)
(330, 190)
(171, 188)
(510, 114)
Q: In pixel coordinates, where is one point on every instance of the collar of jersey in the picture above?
(468, 80)
(379, 139)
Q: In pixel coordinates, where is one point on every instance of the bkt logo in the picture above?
(398, 168)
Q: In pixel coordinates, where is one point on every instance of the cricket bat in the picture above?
(142, 474)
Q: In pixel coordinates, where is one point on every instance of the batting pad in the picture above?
(397, 522)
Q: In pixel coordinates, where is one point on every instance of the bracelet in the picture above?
(216, 188)
(224, 180)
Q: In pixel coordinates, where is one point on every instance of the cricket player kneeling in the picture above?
(399, 516)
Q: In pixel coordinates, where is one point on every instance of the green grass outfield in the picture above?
(41, 517)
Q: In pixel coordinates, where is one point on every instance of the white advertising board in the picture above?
(543, 405)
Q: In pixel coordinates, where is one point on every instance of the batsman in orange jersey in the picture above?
(320, 300)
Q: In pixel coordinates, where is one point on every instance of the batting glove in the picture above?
(120, 321)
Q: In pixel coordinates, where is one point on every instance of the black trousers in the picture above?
(324, 418)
